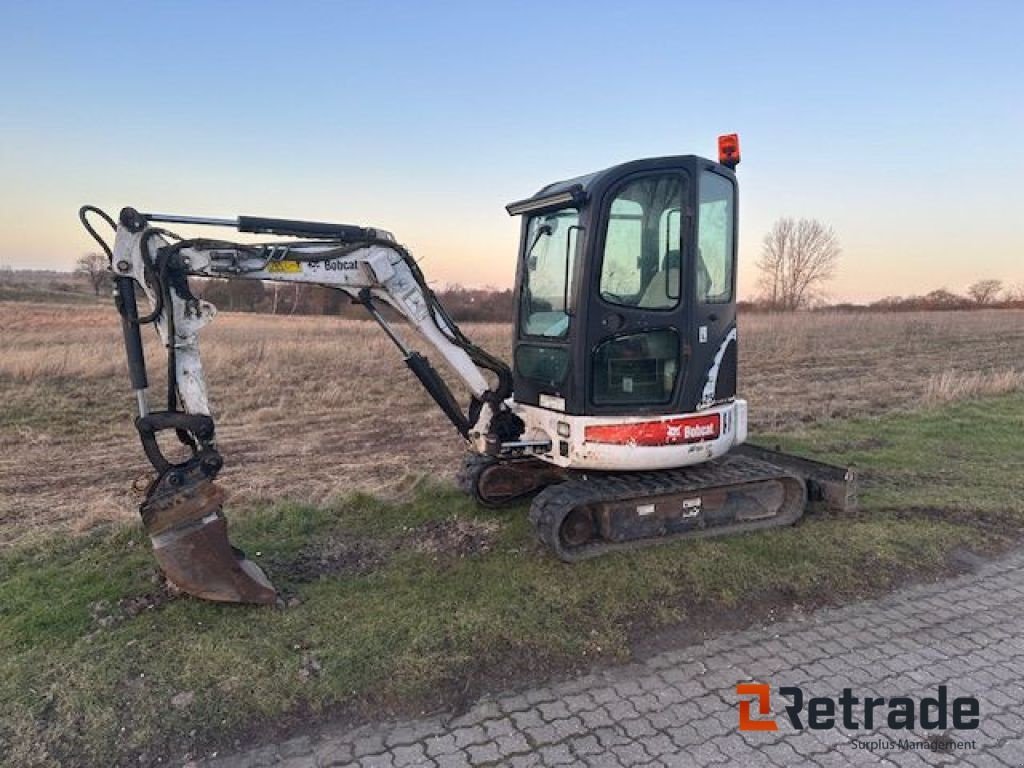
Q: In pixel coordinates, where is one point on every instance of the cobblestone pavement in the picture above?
(679, 708)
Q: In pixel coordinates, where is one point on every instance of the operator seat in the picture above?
(656, 295)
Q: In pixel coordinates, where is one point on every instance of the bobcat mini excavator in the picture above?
(618, 415)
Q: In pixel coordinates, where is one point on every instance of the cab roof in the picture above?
(579, 189)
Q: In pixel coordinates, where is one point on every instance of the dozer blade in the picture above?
(836, 487)
(182, 515)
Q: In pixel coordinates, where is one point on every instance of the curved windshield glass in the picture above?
(643, 242)
(547, 288)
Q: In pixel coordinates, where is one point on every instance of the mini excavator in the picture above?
(618, 415)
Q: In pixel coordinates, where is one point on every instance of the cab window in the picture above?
(715, 233)
(641, 265)
(636, 368)
(551, 241)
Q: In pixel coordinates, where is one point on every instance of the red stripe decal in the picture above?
(681, 430)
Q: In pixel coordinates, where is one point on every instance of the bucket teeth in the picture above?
(183, 516)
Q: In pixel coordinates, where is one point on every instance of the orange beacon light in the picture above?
(729, 150)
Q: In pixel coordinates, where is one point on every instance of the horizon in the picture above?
(1009, 298)
(892, 125)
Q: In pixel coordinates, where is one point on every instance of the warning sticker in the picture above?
(290, 267)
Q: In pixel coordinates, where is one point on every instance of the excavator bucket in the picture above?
(184, 519)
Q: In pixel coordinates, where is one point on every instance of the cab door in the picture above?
(638, 321)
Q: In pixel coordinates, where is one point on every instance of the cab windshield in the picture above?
(551, 240)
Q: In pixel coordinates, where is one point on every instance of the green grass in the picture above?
(85, 682)
(962, 457)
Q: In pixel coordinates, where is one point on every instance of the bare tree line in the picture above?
(798, 258)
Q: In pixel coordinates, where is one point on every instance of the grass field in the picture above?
(401, 595)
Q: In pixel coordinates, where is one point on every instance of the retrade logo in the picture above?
(854, 712)
(763, 694)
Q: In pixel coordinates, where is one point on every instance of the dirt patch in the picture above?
(1002, 527)
(706, 619)
(349, 556)
(106, 615)
(454, 537)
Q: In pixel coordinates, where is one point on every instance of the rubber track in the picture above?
(554, 503)
(474, 465)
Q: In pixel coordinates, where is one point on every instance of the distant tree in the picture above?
(940, 299)
(234, 295)
(94, 267)
(797, 259)
(483, 305)
(943, 299)
(985, 291)
(888, 303)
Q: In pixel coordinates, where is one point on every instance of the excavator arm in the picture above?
(364, 263)
(182, 512)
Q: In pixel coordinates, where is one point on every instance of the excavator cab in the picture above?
(627, 290)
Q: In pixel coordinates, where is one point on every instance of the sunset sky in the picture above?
(900, 124)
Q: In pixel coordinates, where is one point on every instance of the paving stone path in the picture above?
(680, 708)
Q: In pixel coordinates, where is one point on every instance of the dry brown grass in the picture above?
(955, 385)
(805, 368)
(311, 407)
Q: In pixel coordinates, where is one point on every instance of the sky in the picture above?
(900, 124)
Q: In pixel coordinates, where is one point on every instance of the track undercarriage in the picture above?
(579, 515)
